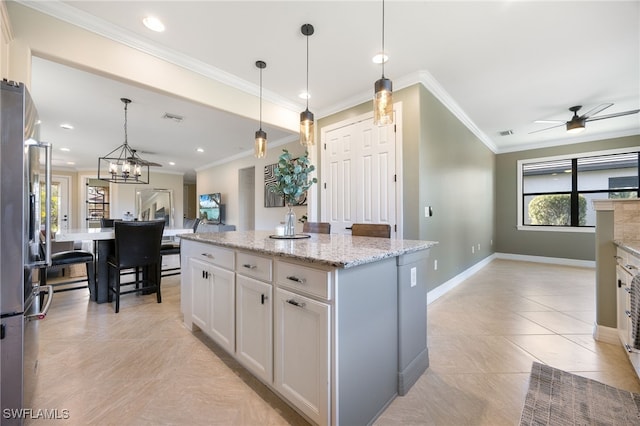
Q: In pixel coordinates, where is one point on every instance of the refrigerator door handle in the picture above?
(47, 205)
(43, 313)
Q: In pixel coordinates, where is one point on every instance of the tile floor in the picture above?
(141, 367)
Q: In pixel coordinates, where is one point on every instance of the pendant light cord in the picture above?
(125, 123)
(383, 53)
(307, 72)
(260, 98)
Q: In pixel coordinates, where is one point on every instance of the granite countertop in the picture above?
(342, 251)
(632, 247)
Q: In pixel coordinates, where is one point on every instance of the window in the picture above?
(560, 191)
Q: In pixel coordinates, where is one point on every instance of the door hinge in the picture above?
(325, 185)
(1, 331)
(325, 146)
(395, 228)
(395, 178)
(394, 128)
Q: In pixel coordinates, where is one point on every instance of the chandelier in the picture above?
(123, 164)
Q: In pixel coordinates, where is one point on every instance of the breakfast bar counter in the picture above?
(333, 324)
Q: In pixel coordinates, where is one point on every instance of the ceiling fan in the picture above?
(142, 162)
(578, 122)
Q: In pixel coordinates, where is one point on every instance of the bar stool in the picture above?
(67, 258)
(173, 247)
(137, 246)
(317, 227)
(371, 230)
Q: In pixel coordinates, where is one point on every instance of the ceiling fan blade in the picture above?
(549, 128)
(615, 114)
(594, 111)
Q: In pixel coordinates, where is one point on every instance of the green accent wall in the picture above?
(569, 245)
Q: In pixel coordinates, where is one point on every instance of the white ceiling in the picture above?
(498, 65)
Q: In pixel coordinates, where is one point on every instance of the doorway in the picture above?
(246, 199)
(60, 203)
(361, 169)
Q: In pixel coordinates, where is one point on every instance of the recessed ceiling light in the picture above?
(171, 163)
(66, 126)
(153, 23)
(65, 149)
(71, 163)
(304, 95)
(199, 149)
(380, 58)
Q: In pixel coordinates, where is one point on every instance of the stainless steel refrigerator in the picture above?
(25, 188)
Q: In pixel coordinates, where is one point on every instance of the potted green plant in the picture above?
(292, 183)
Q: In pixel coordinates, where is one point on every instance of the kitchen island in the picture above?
(334, 324)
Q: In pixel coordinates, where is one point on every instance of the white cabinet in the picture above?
(302, 345)
(213, 301)
(627, 267)
(254, 313)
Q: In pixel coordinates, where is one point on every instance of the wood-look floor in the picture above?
(142, 367)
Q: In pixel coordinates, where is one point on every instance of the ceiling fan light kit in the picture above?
(578, 123)
(123, 164)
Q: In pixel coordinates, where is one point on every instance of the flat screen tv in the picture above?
(211, 210)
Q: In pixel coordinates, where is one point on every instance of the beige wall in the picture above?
(568, 245)
(224, 179)
(41, 35)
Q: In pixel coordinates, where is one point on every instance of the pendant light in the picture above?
(123, 164)
(306, 116)
(261, 135)
(383, 96)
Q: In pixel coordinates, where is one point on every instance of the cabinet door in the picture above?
(222, 305)
(199, 294)
(302, 339)
(254, 345)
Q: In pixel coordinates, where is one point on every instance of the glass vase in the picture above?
(290, 222)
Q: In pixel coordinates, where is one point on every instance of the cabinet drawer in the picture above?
(214, 255)
(302, 279)
(254, 266)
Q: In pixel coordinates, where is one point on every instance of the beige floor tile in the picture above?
(142, 367)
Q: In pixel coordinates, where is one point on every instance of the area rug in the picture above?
(556, 397)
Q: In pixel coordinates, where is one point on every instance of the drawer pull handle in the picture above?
(263, 298)
(248, 266)
(298, 304)
(629, 266)
(209, 255)
(296, 279)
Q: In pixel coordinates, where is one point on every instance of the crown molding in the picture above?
(570, 141)
(81, 19)
(247, 153)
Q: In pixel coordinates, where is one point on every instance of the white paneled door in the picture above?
(360, 175)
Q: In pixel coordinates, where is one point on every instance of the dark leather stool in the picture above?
(66, 258)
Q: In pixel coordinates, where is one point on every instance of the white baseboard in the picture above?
(544, 259)
(445, 287)
(606, 334)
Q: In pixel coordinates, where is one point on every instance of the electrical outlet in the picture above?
(478, 246)
(435, 265)
(414, 277)
(473, 249)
